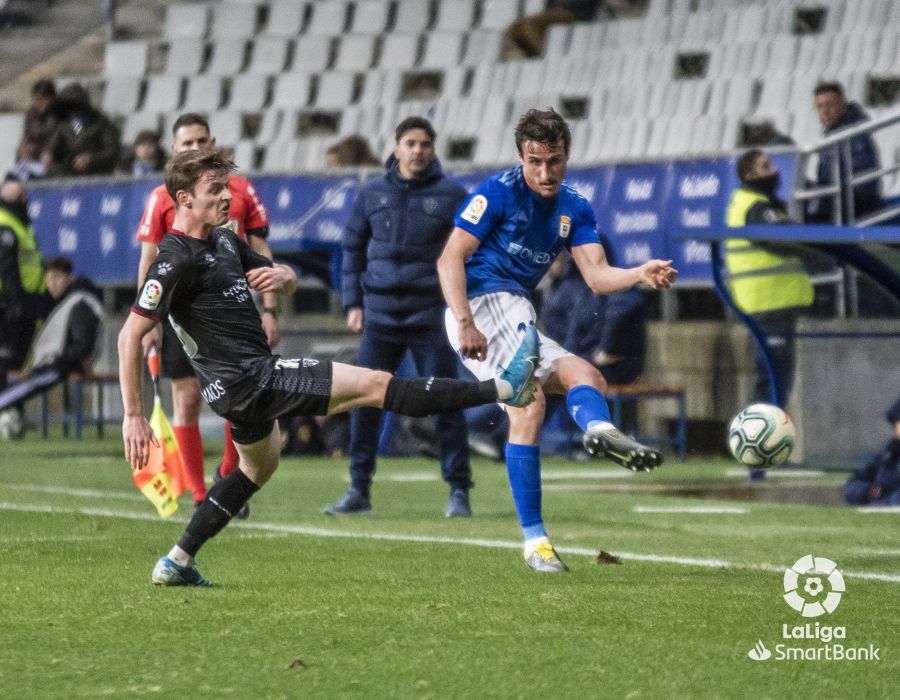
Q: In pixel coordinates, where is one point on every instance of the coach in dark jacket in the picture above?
(836, 113)
(391, 293)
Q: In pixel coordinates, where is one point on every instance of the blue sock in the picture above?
(523, 465)
(586, 404)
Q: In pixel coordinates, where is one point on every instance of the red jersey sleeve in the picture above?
(254, 214)
(159, 213)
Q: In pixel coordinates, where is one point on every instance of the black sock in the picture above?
(425, 396)
(223, 501)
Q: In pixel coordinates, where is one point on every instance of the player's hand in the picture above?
(81, 162)
(152, 340)
(658, 274)
(355, 319)
(137, 436)
(272, 329)
(269, 279)
(472, 343)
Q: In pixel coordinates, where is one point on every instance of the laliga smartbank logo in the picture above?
(813, 587)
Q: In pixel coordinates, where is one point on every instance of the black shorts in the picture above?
(292, 387)
(174, 363)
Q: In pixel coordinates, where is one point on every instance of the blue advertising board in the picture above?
(638, 207)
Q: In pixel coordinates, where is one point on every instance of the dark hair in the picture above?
(185, 169)
(353, 150)
(829, 86)
(146, 136)
(59, 264)
(747, 162)
(543, 126)
(43, 88)
(411, 123)
(189, 119)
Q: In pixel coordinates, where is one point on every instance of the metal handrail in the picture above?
(842, 178)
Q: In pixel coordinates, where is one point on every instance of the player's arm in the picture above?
(354, 243)
(603, 278)
(136, 432)
(260, 246)
(263, 275)
(150, 232)
(452, 272)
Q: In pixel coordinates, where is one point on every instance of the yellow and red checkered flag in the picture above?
(162, 480)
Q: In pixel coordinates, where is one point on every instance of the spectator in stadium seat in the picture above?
(67, 342)
(21, 278)
(84, 142)
(763, 133)
(350, 151)
(836, 113)
(145, 157)
(40, 121)
(764, 282)
(527, 34)
(392, 295)
(878, 483)
(200, 278)
(505, 237)
(250, 220)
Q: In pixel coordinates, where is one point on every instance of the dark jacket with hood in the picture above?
(863, 157)
(396, 232)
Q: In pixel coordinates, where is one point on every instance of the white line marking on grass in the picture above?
(427, 539)
(414, 477)
(778, 473)
(81, 493)
(551, 474)
(878, 509)
(880, 552)
(712, 510)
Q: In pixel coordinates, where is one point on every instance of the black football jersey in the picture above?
(201, 286)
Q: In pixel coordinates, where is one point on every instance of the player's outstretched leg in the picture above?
(588, 408)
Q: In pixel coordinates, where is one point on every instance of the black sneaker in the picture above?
(458, 505)
(352, 503)
(244, 512)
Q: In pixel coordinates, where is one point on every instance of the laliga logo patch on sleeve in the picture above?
(475, 210)
(151, 295)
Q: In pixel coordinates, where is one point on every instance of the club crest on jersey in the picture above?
(475, 210)
(151, 295)
(163, 269)
(565, 223)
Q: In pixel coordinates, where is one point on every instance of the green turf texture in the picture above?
(306, 614)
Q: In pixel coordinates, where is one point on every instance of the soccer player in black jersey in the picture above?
(201, 280)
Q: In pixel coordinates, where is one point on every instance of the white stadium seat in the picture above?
(248, 92)
(185, 57)
(291, 90)
(412, 16)
(186, 21)
(312, 53)
(370, 16)
(328, 18)
(233, 20)
(203, 94)
(286, 17)
(125, 58)
(269, 55)
(355, 52)
(163, 93)
(228, 57)
(122, 94)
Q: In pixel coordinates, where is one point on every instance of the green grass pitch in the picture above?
(406, 603)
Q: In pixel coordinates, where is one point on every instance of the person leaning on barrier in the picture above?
(763, 282)
(836, 113)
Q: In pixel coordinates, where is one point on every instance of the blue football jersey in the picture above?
(521, 233)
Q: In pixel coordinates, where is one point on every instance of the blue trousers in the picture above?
(383, 348)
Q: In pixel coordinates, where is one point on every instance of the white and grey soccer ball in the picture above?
(761, 436)
(12, 426)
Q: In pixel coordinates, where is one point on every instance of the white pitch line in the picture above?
(427, 539)
(878, 509)
(81, 493)
(712, 510)
(553, 474)
(778, 473)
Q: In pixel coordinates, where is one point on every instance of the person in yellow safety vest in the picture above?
(21, 278)
(765, 283)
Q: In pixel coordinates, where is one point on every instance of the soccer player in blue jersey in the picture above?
(506, 235)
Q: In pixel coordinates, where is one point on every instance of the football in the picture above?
(761, 436)
(12, 427)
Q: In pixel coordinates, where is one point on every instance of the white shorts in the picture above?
(498, 315)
